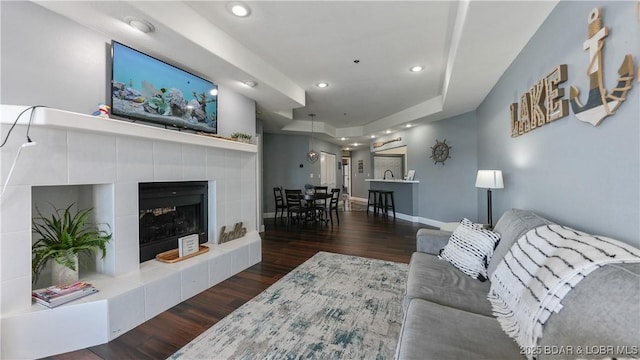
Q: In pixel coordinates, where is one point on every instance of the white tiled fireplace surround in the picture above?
(107, 159)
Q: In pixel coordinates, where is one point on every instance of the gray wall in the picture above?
(52, 61)
(447, 192)
(359, 187)
(283, 155)
(571, 172)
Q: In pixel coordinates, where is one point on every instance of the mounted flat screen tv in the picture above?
(145, 88)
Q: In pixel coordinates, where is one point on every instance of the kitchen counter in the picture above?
(405, 193)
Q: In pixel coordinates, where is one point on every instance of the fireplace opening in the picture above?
(168, 211)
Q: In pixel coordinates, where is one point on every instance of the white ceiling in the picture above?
(290, 46)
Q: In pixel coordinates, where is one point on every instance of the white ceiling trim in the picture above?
(424, 109)
(201, 32)
(461, 16)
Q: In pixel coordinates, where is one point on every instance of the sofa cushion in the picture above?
(438, 281)
(512, 225)
(431, 241)
(470, 248)
(433, 331)
(602, 310)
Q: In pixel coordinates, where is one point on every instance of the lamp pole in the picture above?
(489, 210)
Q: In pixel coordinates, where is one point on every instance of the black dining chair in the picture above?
(280, 203)
(320, 207)
(333, 204)
(295, 210)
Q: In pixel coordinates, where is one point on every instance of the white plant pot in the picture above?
(61, 274)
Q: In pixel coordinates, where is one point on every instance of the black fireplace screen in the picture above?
(168, 211)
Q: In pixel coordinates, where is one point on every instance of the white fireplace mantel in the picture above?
(108, 159)
(55, 118)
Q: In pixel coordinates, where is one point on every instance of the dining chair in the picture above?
(280, 204)
(320, 207)
(333, 204)
(295, 209)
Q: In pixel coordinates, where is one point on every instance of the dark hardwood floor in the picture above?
(284, 247)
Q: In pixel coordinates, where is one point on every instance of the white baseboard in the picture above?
(417, 219)
(420, 220)
(429, 222)
(358, 199)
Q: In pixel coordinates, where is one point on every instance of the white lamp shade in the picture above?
(489, 179)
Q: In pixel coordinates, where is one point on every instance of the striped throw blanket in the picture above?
(540, 269)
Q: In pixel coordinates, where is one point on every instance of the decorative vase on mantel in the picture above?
(61, 274)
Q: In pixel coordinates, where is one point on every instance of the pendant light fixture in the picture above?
(312, 155)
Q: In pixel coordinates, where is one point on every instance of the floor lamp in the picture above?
(489, 179)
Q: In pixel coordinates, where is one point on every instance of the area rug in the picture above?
(331, 307)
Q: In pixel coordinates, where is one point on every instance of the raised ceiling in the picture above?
(287, 47)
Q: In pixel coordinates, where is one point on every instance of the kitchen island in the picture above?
(406, 195)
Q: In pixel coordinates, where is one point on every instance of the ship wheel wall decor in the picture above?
(440, 152)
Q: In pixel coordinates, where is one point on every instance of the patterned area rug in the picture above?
(331, 307)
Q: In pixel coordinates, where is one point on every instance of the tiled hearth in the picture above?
(106, 159)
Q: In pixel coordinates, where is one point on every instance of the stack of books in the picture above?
(60, 294)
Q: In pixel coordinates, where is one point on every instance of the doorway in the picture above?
(328, 169)
(346, 176)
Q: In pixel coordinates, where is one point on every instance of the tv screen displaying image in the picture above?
(148, 89)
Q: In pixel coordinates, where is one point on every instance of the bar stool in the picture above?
(386, 202)
(376, 195)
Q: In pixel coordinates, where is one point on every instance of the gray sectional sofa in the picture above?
(447, 314)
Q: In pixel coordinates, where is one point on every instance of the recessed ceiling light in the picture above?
(408, 125)
(239, 9)
(251, 83)
(355, 144)
(388, 132)
(322, 85)
(140, 24)
(343, 138)
(373, 136)
(347, 149)
(416, 68)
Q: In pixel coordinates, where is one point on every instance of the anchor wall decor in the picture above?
(544, 102)
(600, 103)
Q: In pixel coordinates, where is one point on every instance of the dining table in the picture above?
(310, 201)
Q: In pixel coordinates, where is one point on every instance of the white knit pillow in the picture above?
(470, 249)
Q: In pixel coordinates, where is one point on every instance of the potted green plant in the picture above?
(63, 237)
(241, 137)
